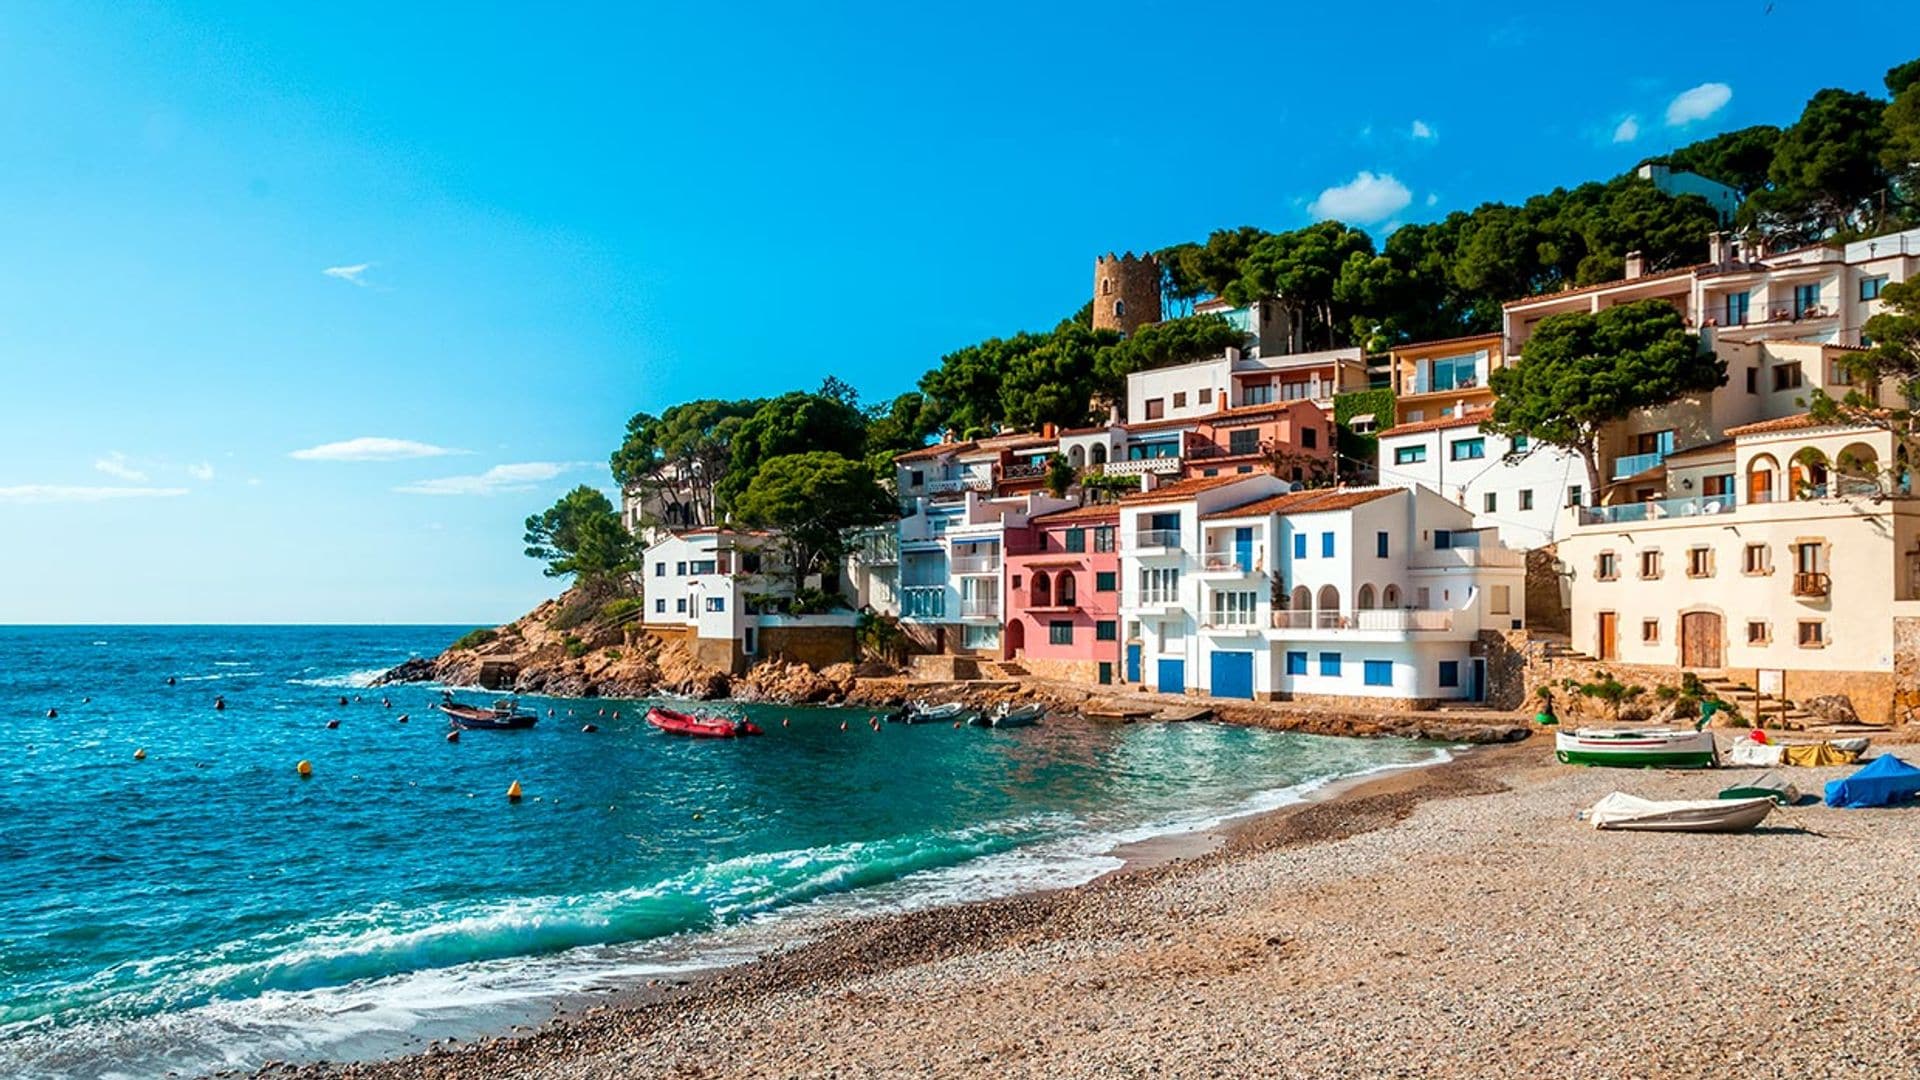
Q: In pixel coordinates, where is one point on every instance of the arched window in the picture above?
(1064, 593)
(1327, 607)
(1099, 453)
(1364, 602)
(1077, 456)
(1119, 309)
(1042, 589)
(1763, 479)
(1300, 608)
(1858, 468)
(1807, 475)
(1390, 597)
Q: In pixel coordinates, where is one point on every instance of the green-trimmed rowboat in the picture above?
(1637, 748)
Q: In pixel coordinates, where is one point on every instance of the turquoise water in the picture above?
(207, 907)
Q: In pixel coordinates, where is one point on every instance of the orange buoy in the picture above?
(305, 768)
(513, 791)
(140, 754)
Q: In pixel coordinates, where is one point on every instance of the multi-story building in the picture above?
(1063, 594)
(870, 575)
(1238, 380)
(1784, 557)
(729, 596)
(1507, 484)
(1724, 199)
(1236, 587)
(1436, 380)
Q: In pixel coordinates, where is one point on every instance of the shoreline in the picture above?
(876, 944)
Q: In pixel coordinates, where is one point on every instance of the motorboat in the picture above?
(503, 715)
(1637, 748)
(919, 712)
(1622, 811)
(674, 722)
(1008, 716)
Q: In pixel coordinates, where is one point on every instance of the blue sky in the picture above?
(242, 240)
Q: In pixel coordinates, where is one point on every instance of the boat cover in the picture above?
(1766, 785)
(1748, 752)
(1884, 781)
(1623, 811)
(1818, 754)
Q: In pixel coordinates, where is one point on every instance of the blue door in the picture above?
(1133, 662)
(1173, 676)
(1233, 674)
(1243, 548)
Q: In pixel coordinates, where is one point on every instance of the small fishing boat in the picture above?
(1637, 748)
(919, 712)
(674, 722)
(1007, 716)
(502, 715)
(1622, 811)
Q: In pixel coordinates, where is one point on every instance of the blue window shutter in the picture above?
(1296, 663)
(1326, 545)
(1330, 664)
(1299, 545)
(1380, 545)
(1379, 673)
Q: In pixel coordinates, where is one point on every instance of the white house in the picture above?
(728, 593)
(1517, 490)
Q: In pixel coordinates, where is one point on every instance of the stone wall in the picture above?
(1906, 669)
(942, 667)
(1135, 281)
(721, 654)
(814, 646)
(1086, 672)
(1547, 593)
(1507, 653)
(1347, 701)
(1871, 692)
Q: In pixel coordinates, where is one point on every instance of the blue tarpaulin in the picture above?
(1885, 780)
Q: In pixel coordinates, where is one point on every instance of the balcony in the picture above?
(1023, 471)
(924, 602)
(1157, 466)
(1634, 464)
(1656, 509)
(1155, 539)
(980, 607)
(1231, 561)
(1811, 584)
(1237, 623)
(959, 484)
(1451, 558)
(976, 564)
(1160, 597)
(1393, 620)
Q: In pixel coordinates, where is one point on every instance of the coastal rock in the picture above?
(1833, 708)
(417, 669)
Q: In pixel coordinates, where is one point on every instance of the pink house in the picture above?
(1063, 595)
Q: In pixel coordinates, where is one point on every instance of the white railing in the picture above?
(1156, 538)
(976, 564)
(1230, 561)
(1159, 597)
(980, 607)
(924, 601)
(963, 483)
(1656, 509)
(1158, 466)
(1388, 619)
(1443, 558)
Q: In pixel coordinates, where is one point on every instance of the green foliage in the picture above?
(1609, 691)
(622, 609)
(1900, 158)
(475, 638)
(963, 392)
(1739, 159)
(1054, 380)
(1826, 172)
(676, 458)
(793, 423)
(1163, 344)
(1580, 372)
(581, 536)
(802, 602)
(880, 637)
(1060, 476)
(898, 426)
(814, 500)
(574, 646)
(1301, 271)
(1357, 449)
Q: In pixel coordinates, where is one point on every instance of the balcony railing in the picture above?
(976, 564)
(1388, 619)
(1811, 583)
(959, 483)
(1656, 509)
(980, 607)
(1023, 471)
(1159, 597)
(1158, 466)
(1444, 558)
(1634, 464)
(924, 601)
(1231, 561)
(1156, 538)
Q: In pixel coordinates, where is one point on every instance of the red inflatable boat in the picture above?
(702, 727)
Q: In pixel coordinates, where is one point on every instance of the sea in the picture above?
(175, 896)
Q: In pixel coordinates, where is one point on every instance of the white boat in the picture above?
(1637, 748)
(1006, 716)
(1623, 811)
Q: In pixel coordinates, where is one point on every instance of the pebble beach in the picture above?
(1449, 921)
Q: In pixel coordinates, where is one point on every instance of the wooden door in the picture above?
(1609, 636)
(1700, 640)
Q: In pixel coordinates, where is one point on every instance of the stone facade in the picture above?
(814, 646)
(1126, 292)
(1086, 672)
(1547, 592)
(1906, 669)
(1341, 701)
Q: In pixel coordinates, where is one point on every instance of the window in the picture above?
(1606, 567)
(1786, 377)
(750, 640)
(1380, 545)
(1309, 438)
(1500, 600)
(1300, 545)
(1757, 559)
(1650, 630)
(701, 566)
(1233, 608)
(680, 569)
(1257, 395)
(659, 569)
(1156, 408)
(1738, 304)
(1330, 664)
(975, 636)
(716, 603)
(1106, 581)
(680, 606)
(1759, 632)
(1454, 372)
(1492, 502)
(1244, 441)
(916, 478)
(1326, 545)
(1575, 495)
(1378, 673)
(1526, 498)
(1119, 309)
(1650, 564)
(1103, 538)
(1520, 444)
(1442, 539)
(1700, 562)
(1159, 585)
(1409, 455)
(1106, 630)
(1180, 399)
(1060, 632)
(1813, 634)
(1753, 380)
(1206, 395)
(1468, 449)
(1806, 298)
(1076, 540)
(1870, 287)
(1449, 673)
(660, 606)
(1296, 663)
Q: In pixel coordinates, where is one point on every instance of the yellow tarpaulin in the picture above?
(1817, 754)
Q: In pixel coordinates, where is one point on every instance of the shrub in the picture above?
(622, 609)
(473, 639)
(575, 647)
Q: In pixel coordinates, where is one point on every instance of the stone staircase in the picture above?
(1003, 669)
(1773, 711)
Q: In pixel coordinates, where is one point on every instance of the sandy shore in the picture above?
(1452, 921)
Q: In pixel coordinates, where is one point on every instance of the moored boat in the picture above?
(1637, 748)
(918, 712)
(1622, 811)
(674, 722)
(503, 715)
(1007, 716)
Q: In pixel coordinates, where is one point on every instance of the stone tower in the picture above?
(1126, 292)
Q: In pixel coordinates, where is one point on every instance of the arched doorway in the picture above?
(1390, 597)
(1327, 607)
(1364, 602)
(1858, 470)
(1300, 607)
(1099, 453)
(1016, 639)
(1808, 476)
(1762, 479)
(1042, 589)
(1064, 591)
(1077, 457)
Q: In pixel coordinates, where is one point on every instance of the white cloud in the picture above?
(1364, 199)
(202, 472)
(349, 274)
(1628, 130)
(516, 477)
(1422, 131)
(67, 493)
(1433, 199)
(1698, 103)
(372, 448)
(116, 464)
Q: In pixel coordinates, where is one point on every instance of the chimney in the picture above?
(1148, 481)
(1717, 250)
(1636, 265)
(1233, 353)
(1049, 431)
(1113, 415)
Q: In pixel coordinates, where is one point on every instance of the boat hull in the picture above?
(1629, 749)
(699, 727)
(466, 718)
(1620, 811)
